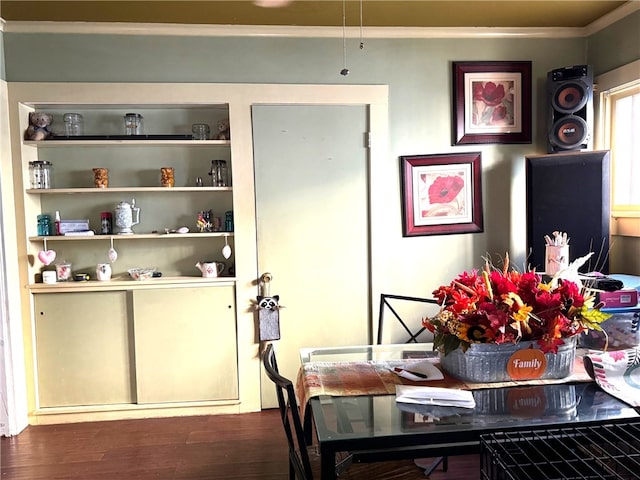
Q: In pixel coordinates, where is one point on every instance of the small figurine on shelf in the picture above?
(204, 221)
(38, 128)
(224, 130)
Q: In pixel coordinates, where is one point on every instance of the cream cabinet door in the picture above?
(185, 344)
(82, 349)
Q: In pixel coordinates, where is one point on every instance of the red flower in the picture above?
(550, 345)
(501, 284)
(499, 114)
(445, 189)
(489, 93)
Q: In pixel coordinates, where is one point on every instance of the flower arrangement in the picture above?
(503, 306)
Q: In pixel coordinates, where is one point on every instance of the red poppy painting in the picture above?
(441, 194)
(492, 105)
(492, 102)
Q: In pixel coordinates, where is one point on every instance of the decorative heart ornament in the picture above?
(47, 256)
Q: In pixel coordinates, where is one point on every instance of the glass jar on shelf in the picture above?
(44, 225)
(219, 173)
(133, 124)
(73, 124)
(200, 131)
(40, 173)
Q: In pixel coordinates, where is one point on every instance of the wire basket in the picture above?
(609, 452)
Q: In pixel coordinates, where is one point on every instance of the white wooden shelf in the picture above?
(124, 282)
(135, 236)
(92, 190)
(115, 143)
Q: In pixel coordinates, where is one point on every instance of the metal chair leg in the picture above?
(428, 470)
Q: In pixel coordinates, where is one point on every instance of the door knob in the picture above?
(265, 279)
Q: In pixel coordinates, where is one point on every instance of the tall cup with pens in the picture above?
(556, 253)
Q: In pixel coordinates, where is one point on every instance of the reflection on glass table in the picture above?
(373, 426)
(513, 407)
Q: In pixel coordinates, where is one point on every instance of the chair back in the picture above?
(299, 464)
(385, 304)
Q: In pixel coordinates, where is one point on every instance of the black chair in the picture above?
(413, 335)
(385, 304)
(301, 464)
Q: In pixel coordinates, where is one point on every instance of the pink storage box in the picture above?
(619, 298)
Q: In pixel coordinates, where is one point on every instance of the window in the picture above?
(622, 107)
(619, 127)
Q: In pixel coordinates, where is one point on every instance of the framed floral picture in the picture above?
(491, 102)
(441, 194)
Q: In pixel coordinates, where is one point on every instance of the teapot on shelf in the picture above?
(124, 217)
(210, 269)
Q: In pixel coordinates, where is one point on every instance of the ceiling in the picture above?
(375, 13)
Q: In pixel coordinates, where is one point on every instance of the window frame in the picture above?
(625, 220)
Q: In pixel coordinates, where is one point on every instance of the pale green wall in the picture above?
(616, 45)
(2, 69)
(418, 72)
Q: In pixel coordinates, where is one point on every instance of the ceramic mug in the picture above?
(103, 272)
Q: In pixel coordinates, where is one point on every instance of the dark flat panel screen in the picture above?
(569, 192)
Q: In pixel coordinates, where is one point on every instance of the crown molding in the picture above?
(611, 18)
(191, 30)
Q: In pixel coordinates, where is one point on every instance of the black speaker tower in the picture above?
(569, 192)
(570, 93)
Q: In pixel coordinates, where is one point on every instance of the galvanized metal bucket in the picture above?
(487, 362)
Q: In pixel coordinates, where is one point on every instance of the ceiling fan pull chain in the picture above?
(361, 36)
(345, 70)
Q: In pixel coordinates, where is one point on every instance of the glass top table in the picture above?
(375, 427)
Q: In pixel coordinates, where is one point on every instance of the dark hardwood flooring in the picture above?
(234, 447)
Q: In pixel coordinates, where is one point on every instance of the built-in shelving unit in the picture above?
(167, 342)
(133, 163)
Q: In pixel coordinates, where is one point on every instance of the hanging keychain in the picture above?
(268, 311)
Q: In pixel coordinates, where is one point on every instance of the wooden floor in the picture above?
(247, 446)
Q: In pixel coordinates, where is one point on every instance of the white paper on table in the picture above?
(447, 397)
(426, 368)
(437, 412)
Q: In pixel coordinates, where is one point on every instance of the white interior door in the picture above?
(312, 225)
